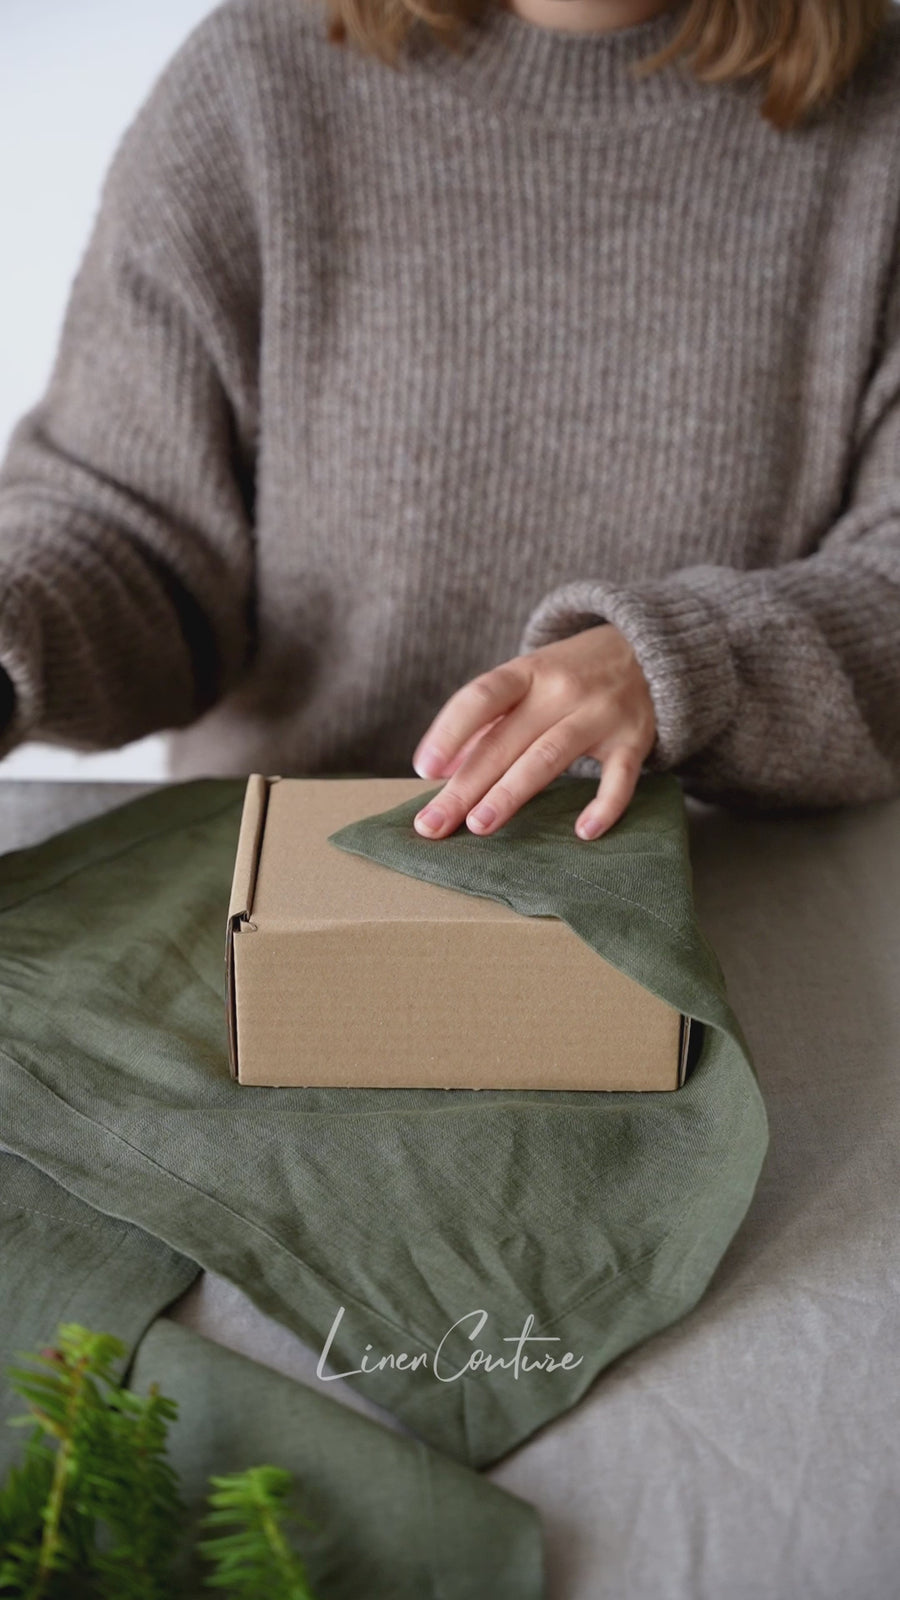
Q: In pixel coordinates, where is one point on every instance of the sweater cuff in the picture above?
(680, 641)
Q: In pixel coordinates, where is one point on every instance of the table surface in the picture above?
(752, 1451)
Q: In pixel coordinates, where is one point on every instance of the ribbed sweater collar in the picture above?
(561, 77)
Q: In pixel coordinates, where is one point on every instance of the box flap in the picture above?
(685, 1047)
(243, 884)
(246, 862)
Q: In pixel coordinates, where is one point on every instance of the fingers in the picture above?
(449, 767)
(486, 802)
(510, 732)
(484, 700)
(621, 770)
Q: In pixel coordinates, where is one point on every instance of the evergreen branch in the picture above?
(138, 1498)
(62, 1404)
(257, 1559)
(95, 1465)
(22, 1501)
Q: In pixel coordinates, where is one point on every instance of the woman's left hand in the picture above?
(509, 732)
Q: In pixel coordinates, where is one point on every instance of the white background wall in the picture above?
(72, 75)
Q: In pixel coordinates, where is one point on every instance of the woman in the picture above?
(513, 398)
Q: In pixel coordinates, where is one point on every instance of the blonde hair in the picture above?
(803, 51)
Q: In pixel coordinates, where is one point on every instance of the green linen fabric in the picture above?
(392, 1519)
(382, 1222)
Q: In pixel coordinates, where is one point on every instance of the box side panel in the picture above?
(499, 1006)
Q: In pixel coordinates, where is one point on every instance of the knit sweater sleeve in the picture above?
(126, 493)
(777, 687)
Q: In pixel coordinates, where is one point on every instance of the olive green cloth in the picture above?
(600, 1216)
(392, 1519)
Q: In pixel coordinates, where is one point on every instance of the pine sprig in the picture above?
(257, 1559)
(93, 1511)
(137, 1498)
(25, 1494)
(67, 1405)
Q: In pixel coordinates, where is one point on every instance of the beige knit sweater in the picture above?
(371, 379)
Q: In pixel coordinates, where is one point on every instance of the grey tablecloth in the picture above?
(752, 1452)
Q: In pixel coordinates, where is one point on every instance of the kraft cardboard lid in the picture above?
(289, 876)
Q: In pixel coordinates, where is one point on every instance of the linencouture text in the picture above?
(447, 1364)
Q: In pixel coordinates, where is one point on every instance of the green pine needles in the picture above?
(93, 1510)
(257, 1559)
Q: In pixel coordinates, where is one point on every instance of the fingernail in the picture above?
(430, 819)
(482, 816)
(590, 828)
(428, 764)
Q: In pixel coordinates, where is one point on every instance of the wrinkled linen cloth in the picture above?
(371, 1220)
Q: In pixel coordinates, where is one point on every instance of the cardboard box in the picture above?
(343, 971)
